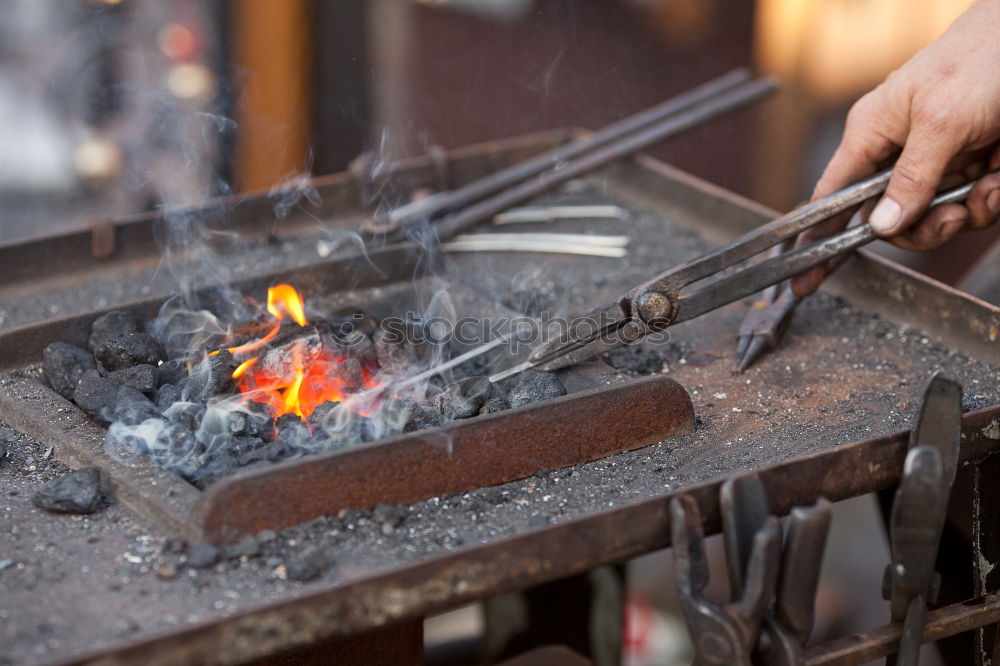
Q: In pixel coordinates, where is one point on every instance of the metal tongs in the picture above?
(657, 304)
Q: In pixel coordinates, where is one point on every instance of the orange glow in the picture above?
(256, 344)
(298, 377)
(243, 367)
(301, 385)
(282, 299)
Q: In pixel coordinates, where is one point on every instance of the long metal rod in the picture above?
(444, 202)
(941, 623)
(729, 100)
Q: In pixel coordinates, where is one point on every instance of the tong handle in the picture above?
(801, 562)
(658, 303)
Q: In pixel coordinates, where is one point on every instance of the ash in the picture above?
(167, 391)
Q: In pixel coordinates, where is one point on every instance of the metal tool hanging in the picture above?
(919, 510)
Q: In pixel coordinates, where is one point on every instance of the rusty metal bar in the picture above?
(460, 221)
(444, 202)
(876, 643)
(456, 457)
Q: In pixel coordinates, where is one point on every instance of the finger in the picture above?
(866, 143)
(983, 202)
(939, 225)
(807, 282)
(915, 177)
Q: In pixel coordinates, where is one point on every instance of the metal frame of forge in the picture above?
(398, 598)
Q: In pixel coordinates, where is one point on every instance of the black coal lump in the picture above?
(495, 404)
(188, 413)
(167, 395)
(307, 565)
(635, 358)
(539, 386)
(171, 372)
(96, 395)
(260, 420)
(464, 398)
(77, 492)
(421, 418)
(132, 407)
(128, 349)
(64, 365)
(356, 344)
(219, 467)
(321, 416)
(396, 355)
(240, 447)
(348, 429)
(177, 446)
(350, 373)
(214, 375)
(203, 555)
(141, 377)
(111, 325)
(288, 421)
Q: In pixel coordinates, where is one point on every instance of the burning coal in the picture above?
(205, 398)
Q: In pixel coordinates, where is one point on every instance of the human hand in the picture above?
(942, 109)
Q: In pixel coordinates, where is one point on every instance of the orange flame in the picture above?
(297, 383)
(283, 299)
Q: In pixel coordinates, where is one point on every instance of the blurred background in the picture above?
(112, 107)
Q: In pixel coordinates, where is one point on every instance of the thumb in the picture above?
(915, 178)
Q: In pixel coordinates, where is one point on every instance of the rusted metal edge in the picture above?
(158, 496)
(456, 457)
(909, 297)
(943, 622)
(23, 345)
(253, 213)
(869, 280)
(531, 558)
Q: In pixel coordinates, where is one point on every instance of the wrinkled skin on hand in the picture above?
(940, 113)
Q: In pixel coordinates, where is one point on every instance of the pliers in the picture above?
(773, 589)
(658, 303)
(919, 510)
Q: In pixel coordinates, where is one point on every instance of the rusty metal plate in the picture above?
(453, 458)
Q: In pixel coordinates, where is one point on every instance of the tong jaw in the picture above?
(592, 334)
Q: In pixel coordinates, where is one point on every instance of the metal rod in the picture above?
(596, 240)
(535, 246)
(444, 202)
(468, 217)
(448, 365)
(550, 213)
(880, 642)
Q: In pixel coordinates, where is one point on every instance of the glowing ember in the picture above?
(298, 377)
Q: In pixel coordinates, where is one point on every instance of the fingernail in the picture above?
(993, 201)
(885, 216)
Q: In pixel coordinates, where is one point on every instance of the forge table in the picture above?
(822, 415)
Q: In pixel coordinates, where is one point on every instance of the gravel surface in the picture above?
(70, 583)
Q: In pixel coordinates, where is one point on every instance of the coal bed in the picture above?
(204, 398)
